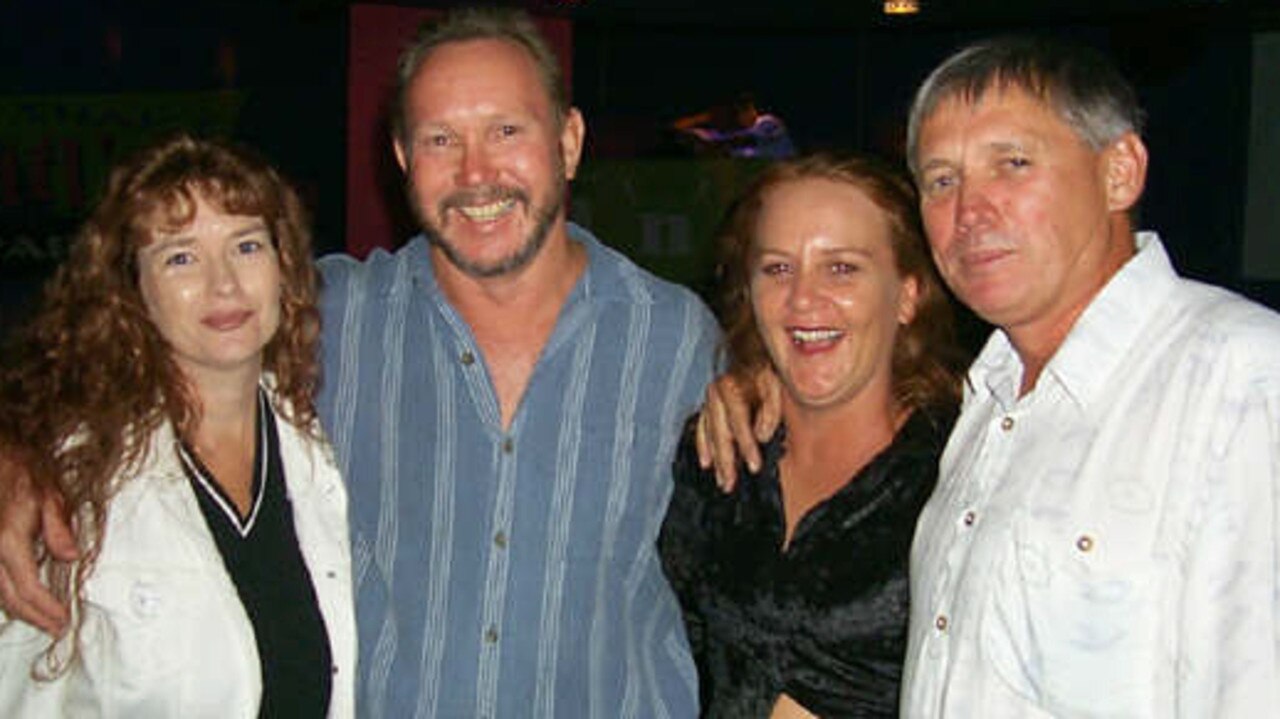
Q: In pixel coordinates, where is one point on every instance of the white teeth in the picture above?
(815, 335)
(484, 213)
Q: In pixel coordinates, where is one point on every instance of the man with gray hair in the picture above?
(1104, 538)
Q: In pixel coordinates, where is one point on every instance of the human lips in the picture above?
(982, 254)
(487, 212)
(227, 320)
(812, 338)
(483, 204)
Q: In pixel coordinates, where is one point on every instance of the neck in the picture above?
(545, 281)
(1036, 343)
(513, 316)
(845, 437)
(827, 448)
(224, 436)
(227, 404)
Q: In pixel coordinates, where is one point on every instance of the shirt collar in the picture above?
(1098, 341)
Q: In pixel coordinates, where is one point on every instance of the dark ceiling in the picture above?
(840, 14)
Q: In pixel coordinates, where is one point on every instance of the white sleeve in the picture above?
(1227, 645)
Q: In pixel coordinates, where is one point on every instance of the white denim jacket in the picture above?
(164, 633)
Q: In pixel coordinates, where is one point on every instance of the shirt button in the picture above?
(508, 445)
(1007, 423)
(969, 518)
(500, 539)
(1084, 543)
(467, 358)
(490, 635)
(331, 574)
(941, 622)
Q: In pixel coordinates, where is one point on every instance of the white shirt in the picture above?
(1107, 544)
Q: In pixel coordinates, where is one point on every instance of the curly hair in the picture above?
(927, 361)
(89, 379)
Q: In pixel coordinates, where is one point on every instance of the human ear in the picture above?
(572, 134)
(1125, 162)
(402, 156)
(908, 299)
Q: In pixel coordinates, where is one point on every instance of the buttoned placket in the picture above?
(498, 557)
(999, 436)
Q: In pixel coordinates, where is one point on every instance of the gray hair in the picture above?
(479, 23)
(1081, 85)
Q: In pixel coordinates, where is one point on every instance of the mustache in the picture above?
(983, 241)
(482, 194)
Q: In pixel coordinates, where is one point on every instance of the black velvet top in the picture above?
(824, 621)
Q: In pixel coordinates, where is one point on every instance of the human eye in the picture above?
(937, 183)
(251, 246)
(435, 139)
(1016, 162)
(774, 268)
(844, 267)
(179, 258)
(507, 130)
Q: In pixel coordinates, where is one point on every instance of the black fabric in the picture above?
(274, 585)
(824, 621)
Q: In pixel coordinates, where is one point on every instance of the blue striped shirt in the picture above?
(512, 573)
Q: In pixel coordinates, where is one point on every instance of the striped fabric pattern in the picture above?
(512, 573)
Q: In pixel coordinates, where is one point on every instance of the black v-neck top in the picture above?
(824, 621)
(261, 554)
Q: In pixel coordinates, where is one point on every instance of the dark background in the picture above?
(838, 71)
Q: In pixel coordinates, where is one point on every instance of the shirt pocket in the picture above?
(151, 632)
(1070, 623)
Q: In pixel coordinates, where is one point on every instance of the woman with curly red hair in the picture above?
(165, 390)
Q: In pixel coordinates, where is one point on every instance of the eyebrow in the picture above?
(183, 238)
(254, 227)
(164, 242)
(935, 164)
(994, 147)
(1007, 145)
(825, 252)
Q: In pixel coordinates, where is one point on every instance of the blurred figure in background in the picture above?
(737, 129)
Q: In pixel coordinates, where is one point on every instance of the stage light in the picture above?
(901, 7)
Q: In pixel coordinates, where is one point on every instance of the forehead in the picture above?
(492, 73)
(819, 208)
(193, 211)
(1001, 113)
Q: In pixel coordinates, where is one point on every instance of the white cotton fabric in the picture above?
(165, 634)
(1107, 544)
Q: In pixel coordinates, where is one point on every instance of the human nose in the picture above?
(973, 206)
(803, 290)
(474, 165)
(222, 276)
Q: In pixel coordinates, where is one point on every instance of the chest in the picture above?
(510, 355)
